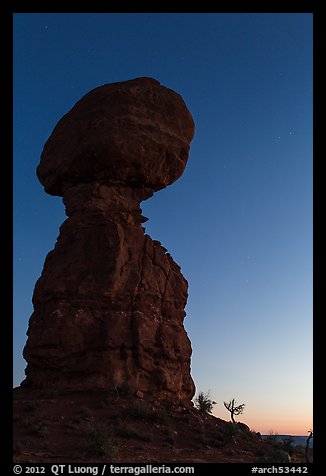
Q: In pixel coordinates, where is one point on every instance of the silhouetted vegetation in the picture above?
(169, 436)
(126, 389)
(85, 412)
(307, 445)
(277, 455)
(17, 449)
(159, 416)
(139, 411)
(101, 440)
(280, 450)
(272, 436)
(229, 431)
(30, 406)
(204, 403)
(234, 409)
(288, 444)
(130, 433)
(35, 426)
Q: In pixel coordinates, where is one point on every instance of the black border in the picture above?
(221, 6)
(8, 9)
(6, 231)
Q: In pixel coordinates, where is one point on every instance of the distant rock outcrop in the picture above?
(109, 305)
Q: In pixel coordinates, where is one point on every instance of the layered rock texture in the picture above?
(109, 305)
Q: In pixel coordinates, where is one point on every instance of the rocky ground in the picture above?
(79, 428)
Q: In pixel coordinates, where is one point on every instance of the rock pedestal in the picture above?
(109, 305)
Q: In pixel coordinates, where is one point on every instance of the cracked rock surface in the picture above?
(109, 305)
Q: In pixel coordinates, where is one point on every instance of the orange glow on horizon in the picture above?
(273, 424)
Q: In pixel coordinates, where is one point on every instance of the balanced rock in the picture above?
(109, 305)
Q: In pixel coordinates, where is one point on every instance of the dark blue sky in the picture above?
(238, 222)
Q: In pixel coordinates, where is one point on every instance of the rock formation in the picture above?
(109, 305)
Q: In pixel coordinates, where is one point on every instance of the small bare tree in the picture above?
(307, 444)
(233, 409)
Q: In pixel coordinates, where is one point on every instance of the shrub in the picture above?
(201, 440)
(169, 436)
(159, 416)
(101, 440)
(127, 432)
(17, 449)
(259, 452)
(204, 403)
(50, 393)
(115, 415)
(277, 455)
(34, 426)
(69, 424)
(85, 412)
(272, 436)
(230, 429)
(125, 389)
(30, 406)
(139, 411)
(107, 400)
(288, 444)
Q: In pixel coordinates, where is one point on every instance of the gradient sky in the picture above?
(239, 220)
